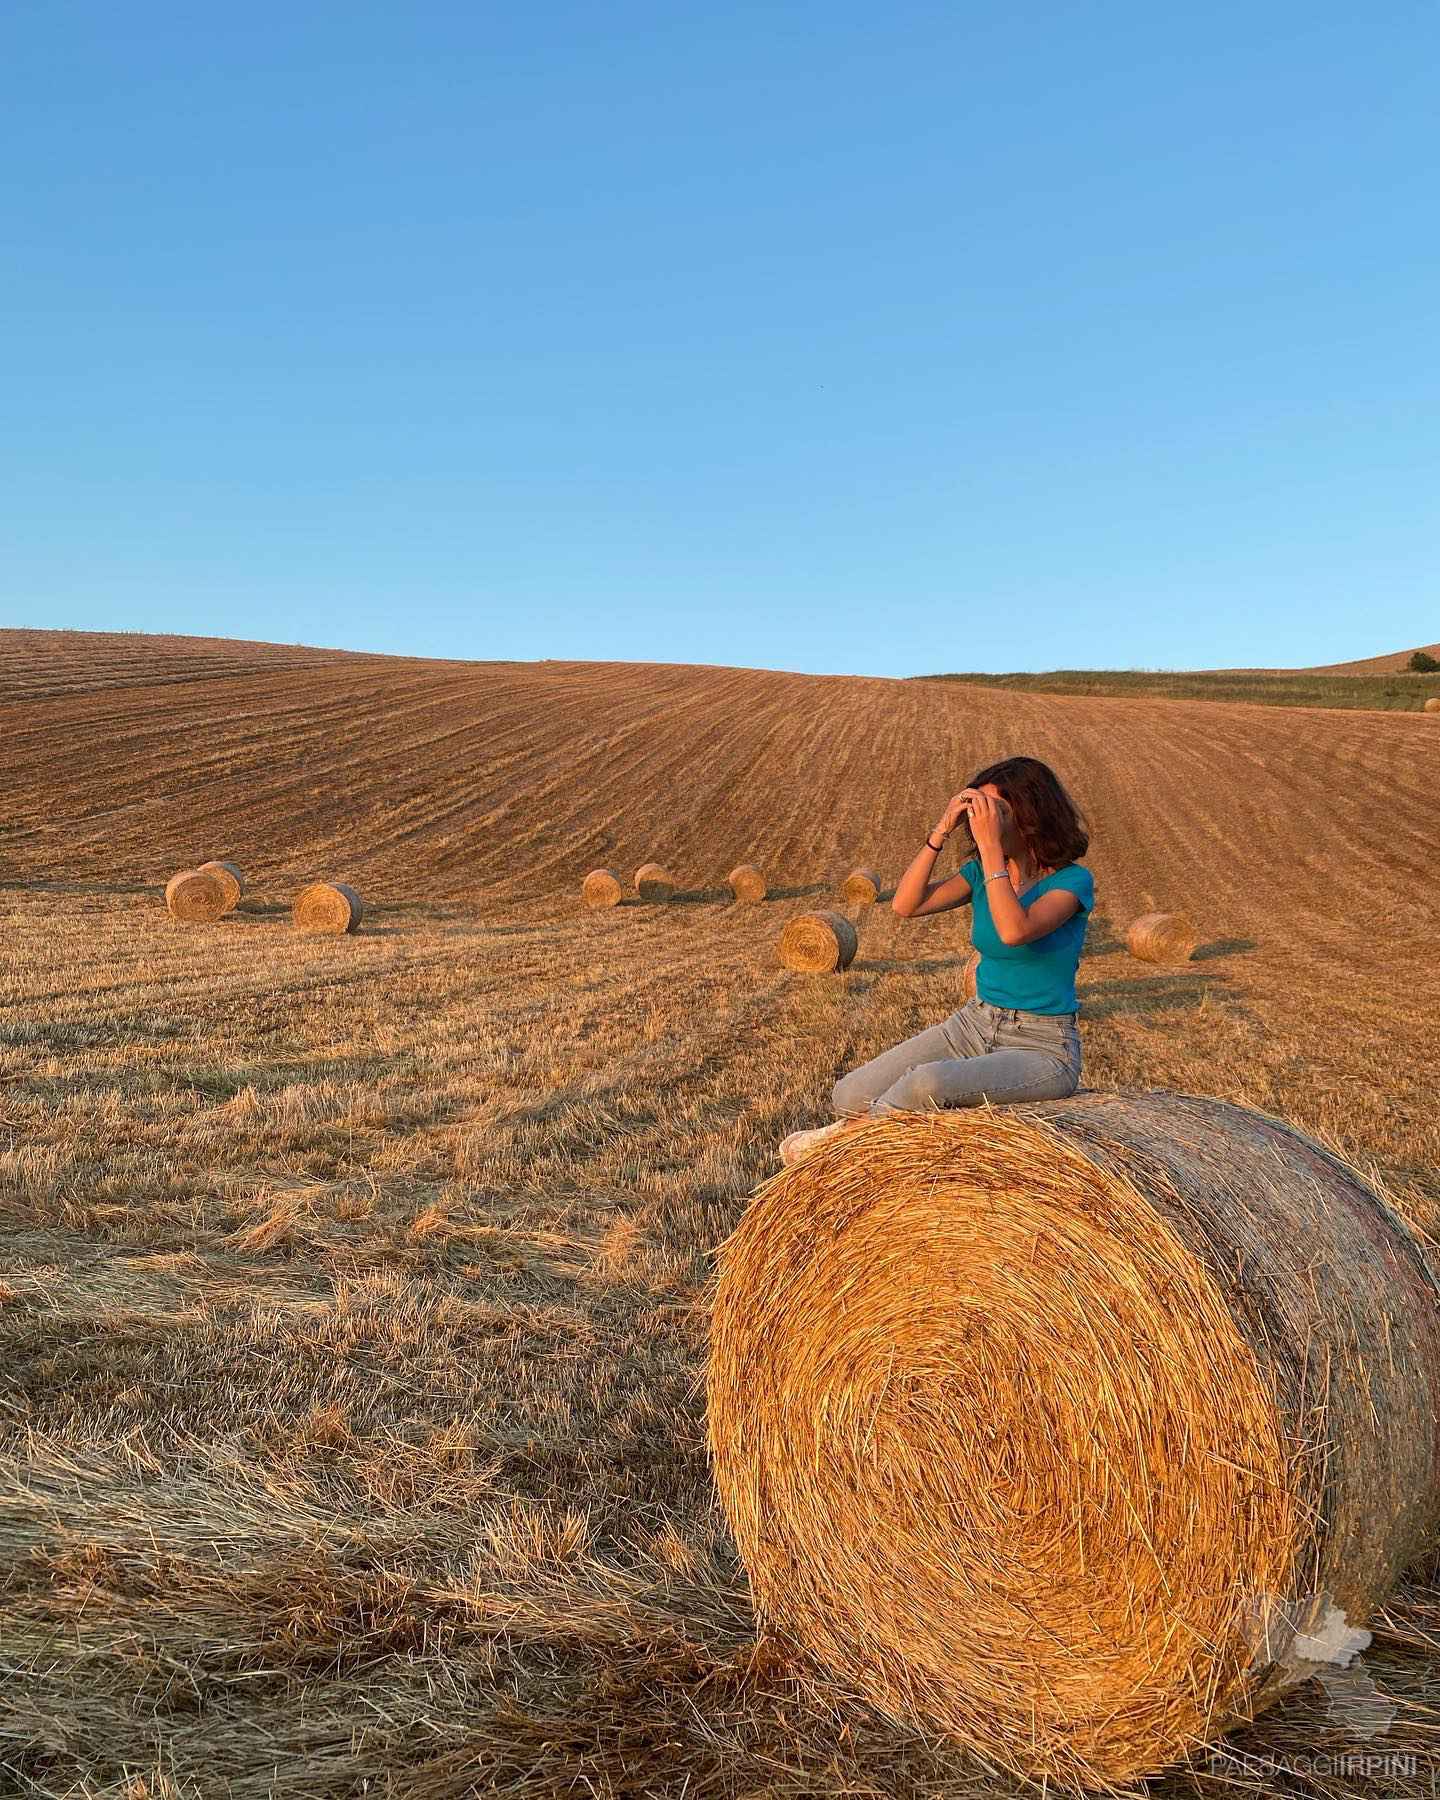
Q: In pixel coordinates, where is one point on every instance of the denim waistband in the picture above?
(1019, 1012)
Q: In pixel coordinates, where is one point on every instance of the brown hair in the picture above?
(1047, 820)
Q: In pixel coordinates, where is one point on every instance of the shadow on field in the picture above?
(684, 897)
(376, 928)
(1143, 994)
(1101, 940)
(222, 1081)
(694, 896)
(915, 965)
(106, 888)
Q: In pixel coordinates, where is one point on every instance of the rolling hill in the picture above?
(1374, 665)
(506, 782)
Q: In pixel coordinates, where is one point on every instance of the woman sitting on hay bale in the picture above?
(1016, 1038)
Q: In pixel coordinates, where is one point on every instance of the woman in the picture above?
(1016, 1038)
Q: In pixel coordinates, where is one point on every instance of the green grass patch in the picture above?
(1401, 692)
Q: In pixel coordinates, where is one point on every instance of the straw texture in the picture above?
(972, 974)
(230, 879)
(1433, 703)
(1162, 937)
(816, 943)
(653, 882)
(1016, 1413)
(862, 887)
(327, 906)
(747, 883)
(601, 887)
(196, 897)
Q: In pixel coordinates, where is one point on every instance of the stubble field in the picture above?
(353, 1304)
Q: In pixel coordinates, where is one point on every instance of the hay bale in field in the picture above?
(654, 883)
(816, 943)
(747, 883)
(327, 906)
(1162, 937)
(230, 878)
(601, 887)
(862, 887)
(972, 974)
(196, 897)
(1026, 1418)
(1433, 703)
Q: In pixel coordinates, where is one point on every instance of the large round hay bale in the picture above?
(747, 883)
(1162, 937)
(862, 887)
(1433, 703)
(196, 897)
(1023, 1417)
(971, 975)
(601, 887)
(327, 906)
(816, 943)
(653, 882)
(230, 878)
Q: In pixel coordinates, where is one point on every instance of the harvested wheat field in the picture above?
(354, 1308)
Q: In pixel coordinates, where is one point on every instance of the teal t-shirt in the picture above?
(1037, 977)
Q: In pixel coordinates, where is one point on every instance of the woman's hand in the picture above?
(985, 818)
(953, 814)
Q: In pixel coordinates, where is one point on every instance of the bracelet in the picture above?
(999, 875)
(937, 848)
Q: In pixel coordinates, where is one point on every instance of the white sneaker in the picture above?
(799, 1143)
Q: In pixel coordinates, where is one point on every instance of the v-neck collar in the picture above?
(1035, 883)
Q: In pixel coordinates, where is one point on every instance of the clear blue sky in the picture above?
(808, 334)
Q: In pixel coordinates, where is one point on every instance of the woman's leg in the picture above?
(855, 1094)
(1003, 1077)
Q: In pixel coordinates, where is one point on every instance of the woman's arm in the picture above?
(1048, 914)
(1014, 923)
(915, 894)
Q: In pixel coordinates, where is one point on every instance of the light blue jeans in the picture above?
(983, 1052)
